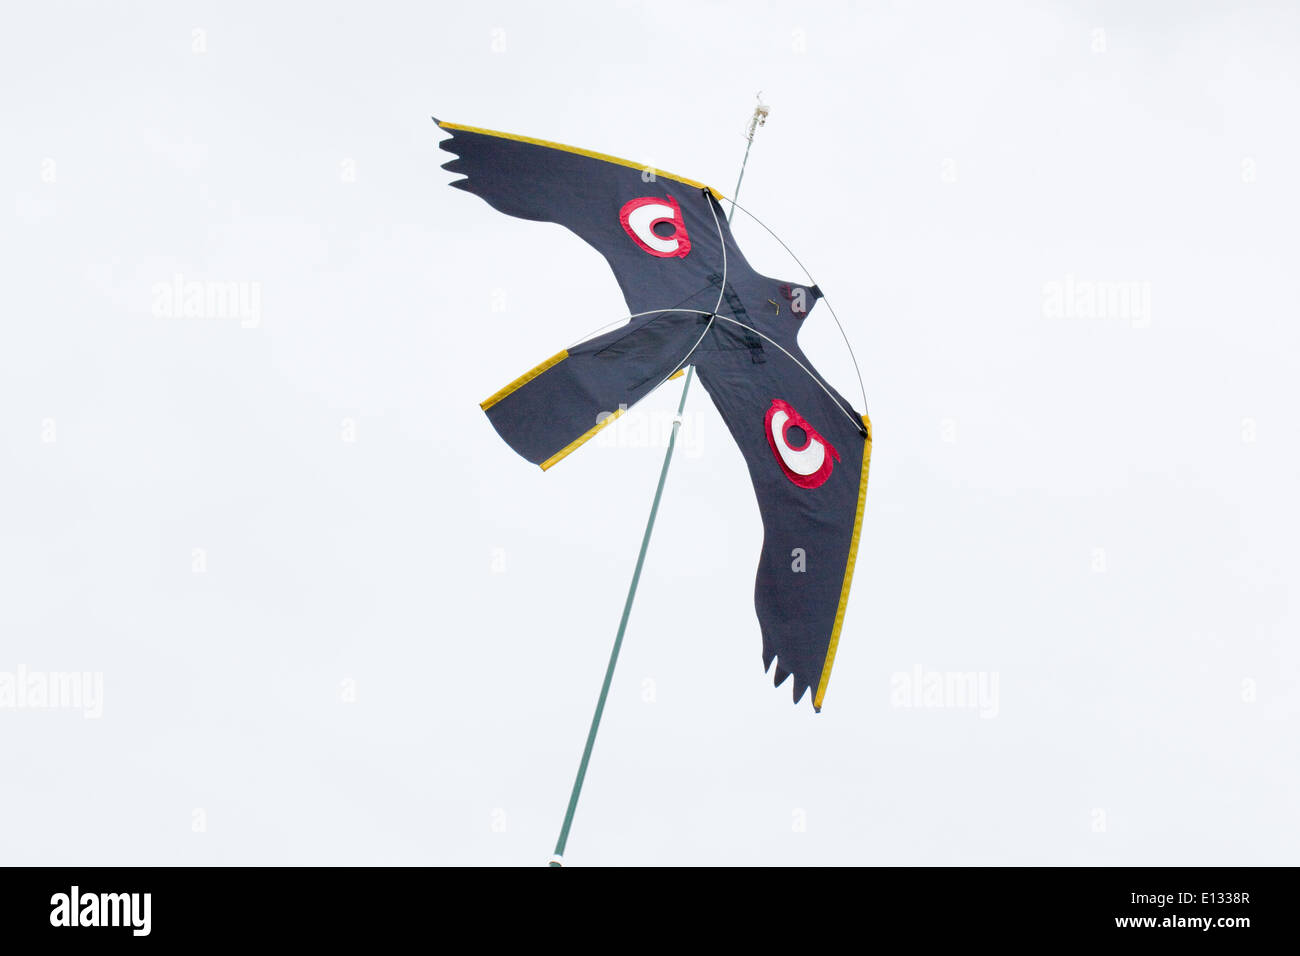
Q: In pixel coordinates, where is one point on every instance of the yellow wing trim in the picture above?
(524, 379)
(848, 571)
(640, 167)
(578, 442)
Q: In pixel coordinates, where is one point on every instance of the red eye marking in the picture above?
(809, 465)
(640, 216)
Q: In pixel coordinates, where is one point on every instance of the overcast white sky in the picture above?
(337, 620)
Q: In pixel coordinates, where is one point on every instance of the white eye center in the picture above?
(641, 221)
(806, 461)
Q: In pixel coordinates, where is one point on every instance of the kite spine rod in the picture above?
(557, 859)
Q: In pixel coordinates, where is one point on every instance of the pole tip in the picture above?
(557, 860)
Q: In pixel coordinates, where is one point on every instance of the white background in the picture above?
(1099, 511)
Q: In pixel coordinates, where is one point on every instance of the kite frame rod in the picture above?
(557, 859)
(622, 629)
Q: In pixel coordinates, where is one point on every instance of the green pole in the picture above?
(557, 859)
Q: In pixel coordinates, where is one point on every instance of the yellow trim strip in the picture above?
(523, 380)
(640, 167)
(848, 571)
(579, 441)
(677, 374)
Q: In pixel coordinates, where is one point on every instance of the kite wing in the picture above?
(664, 237)
(808, 460)
(657, 231)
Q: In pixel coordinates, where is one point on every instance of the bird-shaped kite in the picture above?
(693, 300)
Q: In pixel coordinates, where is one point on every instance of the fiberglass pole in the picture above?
(759, 119)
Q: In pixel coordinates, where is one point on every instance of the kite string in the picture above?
(830, 308)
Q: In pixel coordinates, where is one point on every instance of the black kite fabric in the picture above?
(694, 300)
